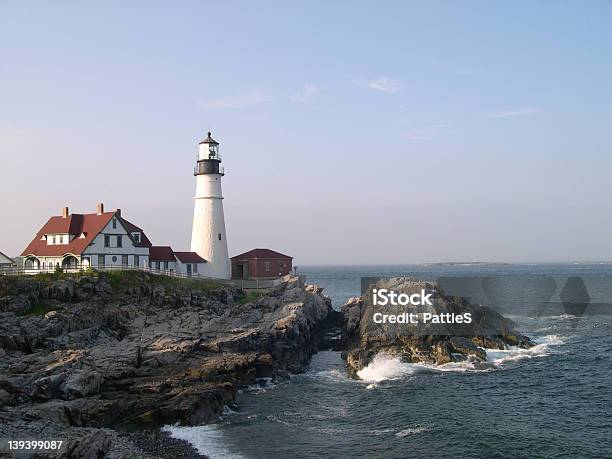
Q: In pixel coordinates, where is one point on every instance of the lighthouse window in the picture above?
(219, 236)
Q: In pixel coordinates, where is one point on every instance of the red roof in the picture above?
(262, 253)
(88, 225)
(144, 240)
(189, 257)
(161, 253)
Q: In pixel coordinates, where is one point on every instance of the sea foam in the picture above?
(389, 367)
(208, 440)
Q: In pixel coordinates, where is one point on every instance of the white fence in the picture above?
(246, 284)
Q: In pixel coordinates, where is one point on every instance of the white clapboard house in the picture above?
(99, 240)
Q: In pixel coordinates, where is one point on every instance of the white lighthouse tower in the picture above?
(208, 233)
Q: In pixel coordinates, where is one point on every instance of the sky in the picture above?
(352, 132)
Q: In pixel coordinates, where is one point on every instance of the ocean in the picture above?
(553, 400)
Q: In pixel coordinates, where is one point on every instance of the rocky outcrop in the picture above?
(424, 342)
(87, 353)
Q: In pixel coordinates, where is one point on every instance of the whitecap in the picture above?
(412, 431)
(208, 440)
(389, 367)
(515, 353)
(384, 367)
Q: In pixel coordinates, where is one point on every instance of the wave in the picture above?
(261, 385)
(208, 440)
(413, 431)
(389, 367)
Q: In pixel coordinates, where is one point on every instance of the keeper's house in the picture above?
(261, 264)
(100, 240)
(71, 241)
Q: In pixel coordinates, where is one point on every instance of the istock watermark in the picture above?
(475, 306)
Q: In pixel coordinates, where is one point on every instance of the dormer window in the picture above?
(136, 236)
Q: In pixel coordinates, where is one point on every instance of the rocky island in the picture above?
(424, 342)
(91, 357)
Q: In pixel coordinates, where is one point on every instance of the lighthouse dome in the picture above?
(209, 139)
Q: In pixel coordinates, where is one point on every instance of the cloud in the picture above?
(416, 135)
(518, 112)
(427, 131)
(305, 95)
(239, 100)
(388, 85)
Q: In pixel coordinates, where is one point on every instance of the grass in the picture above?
(59, 274)
(128, 278)
(37, 309)
(250, 297)
(120, 280)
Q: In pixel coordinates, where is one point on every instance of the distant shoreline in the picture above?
(454, 263)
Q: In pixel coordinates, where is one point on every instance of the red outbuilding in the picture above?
(261, 264)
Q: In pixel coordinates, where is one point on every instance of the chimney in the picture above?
(100, 208)
(65, 212)
(118, 213)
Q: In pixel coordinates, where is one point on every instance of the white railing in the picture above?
(245, 284)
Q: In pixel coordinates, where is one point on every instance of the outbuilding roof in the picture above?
(4, 259)
(161, 253)
(262, 253)
(189, 257)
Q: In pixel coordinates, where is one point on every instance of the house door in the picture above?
(189, 269)
(240, 271)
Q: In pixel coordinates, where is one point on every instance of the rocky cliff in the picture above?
(424, 342)
(85, 356)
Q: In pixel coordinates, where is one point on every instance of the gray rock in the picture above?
(142, 352)
(423, 342)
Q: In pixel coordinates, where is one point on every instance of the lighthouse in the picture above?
(208, 233)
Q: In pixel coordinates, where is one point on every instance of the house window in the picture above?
(165, 265)
(136, 260)
(119, 241)
(267, 264)
(53, 240)
(100, 260)
(136, 236)
(124, 260)
(114, 259)
(106, 240)
(195, 268)
(219, 236)
(157, 265)
(114, 223)
(282, 264)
